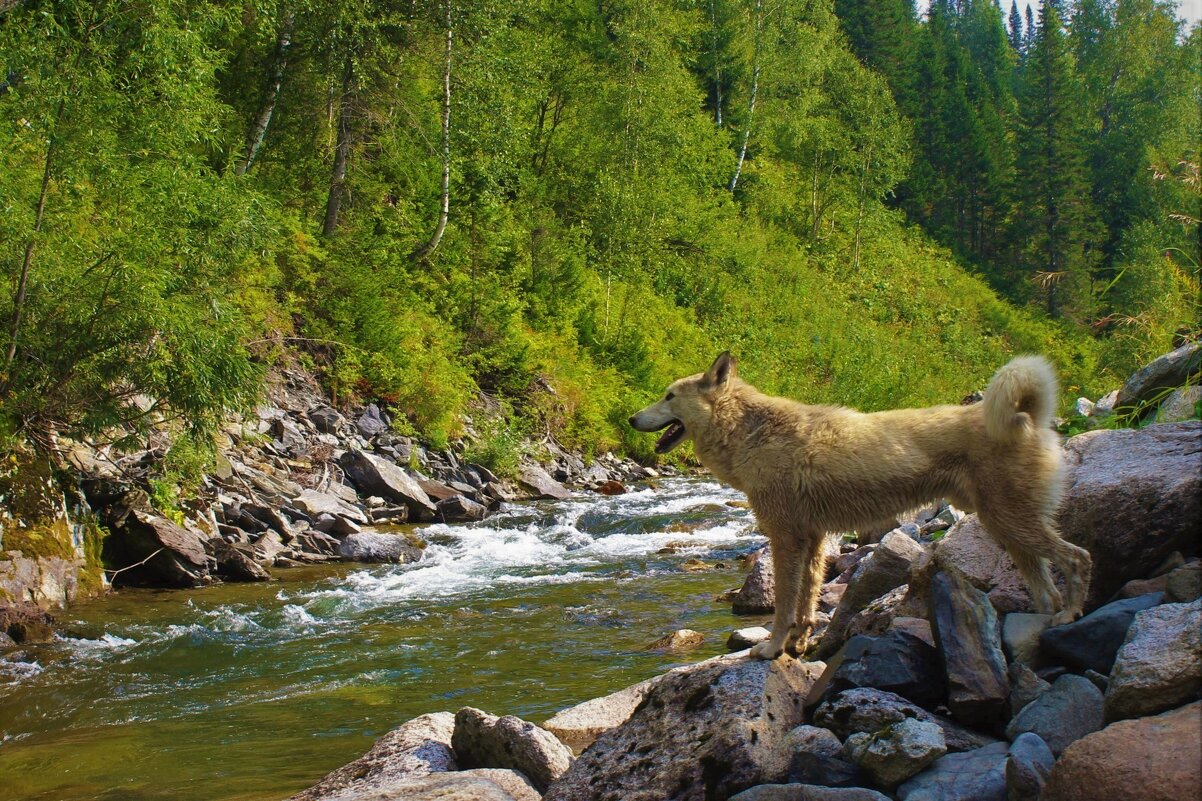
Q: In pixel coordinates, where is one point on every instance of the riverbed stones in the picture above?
(415, 748)
(757, 595)
(970, 552)
(375, 475)
(1069, 710)
(26, 623)
(234, 563)
(1134, 496)
(703, 731)
(1159, 666)
(540, 485)
(459, 508)
(170, 555)
(679, 640)
(482, 740)
(978, 775)
(315, 504)
(1028, 764)
(969, 641)
(376, 546)
(807, 792)
(579, 726)
(1157, 758)
(1184, 584)
(895, 662)
(1093, 641)
(897, 752)
(866, 709)
(740, 639)
(818, 758)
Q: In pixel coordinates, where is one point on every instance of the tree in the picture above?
(1016, 28)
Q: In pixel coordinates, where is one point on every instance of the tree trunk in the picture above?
(445, 210)
(258, 131)
(717, 68)
(342, 152)
(755, 88)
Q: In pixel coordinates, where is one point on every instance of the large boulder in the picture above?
(866, 709)
(705, 731)
(375, 546)
(235, 563)
(482, 740)
(315, 503)
(1027, 767)
(1092, 642)
(375, 475)
(894, 754)
(818, 758)
(1160, 665)
(1133, 497)
(26, 623)
(895, 662)
(1164, 373)
(969, 640)
(156, 551)
(539, 484)
(970, 552)
(978, 775)
(416, 748)
(1070, 710)
(1156, 758)
(757, 595)
(579, 726)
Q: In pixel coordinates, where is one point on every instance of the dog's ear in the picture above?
(720, 372)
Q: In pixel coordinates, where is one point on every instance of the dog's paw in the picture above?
(1063, 617)
(766, 650)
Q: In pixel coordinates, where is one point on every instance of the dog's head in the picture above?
(686, 407)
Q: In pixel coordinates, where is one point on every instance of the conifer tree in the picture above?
(1016, 28)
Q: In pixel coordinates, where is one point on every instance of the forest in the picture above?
(560, 206)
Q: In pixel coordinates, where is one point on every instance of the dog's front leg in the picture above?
(786, 570)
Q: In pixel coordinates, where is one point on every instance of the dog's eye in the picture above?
(670, 396)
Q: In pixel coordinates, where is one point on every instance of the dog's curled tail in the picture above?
(1021, 396)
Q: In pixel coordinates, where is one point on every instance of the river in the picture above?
(254, 691)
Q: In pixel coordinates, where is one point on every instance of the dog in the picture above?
(812, 470)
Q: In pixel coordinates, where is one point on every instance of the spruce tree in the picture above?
(1016, 27)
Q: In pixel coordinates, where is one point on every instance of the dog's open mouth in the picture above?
(670, 438)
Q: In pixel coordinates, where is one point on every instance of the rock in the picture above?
(978, 775)
(326, 420)
(895, 753)
(460, 786)
(1025, 686)
(680, 640)
(611, 487)
(703, 731)
(877, 617)
(1137, 587)
(371, 422)
(26, 623)
(457, 508)
(435, 490)
(969, 551)
(915, 627)
(1020, 635)
(830, 595)
(512, 782)
(375, 546)
(578, 726)
(866, 709)
(486, 741)
(1133, 497)
(1105, 404)
(756, 595)
(895, 662)
(807, 792)
(540, 484)
(746, 638)
(845, 563)
(374, 475)
(1159, 666)
(1165, 373)
(234, 564)
(1093, 641)
(970, 644)
(1156, 758)
(1184, 584)
(886, 568)
(1027, 767)
(818, 759)
(418, 747)
(170, 555)
(1084, 407)
(315, 504)
(1180, 405)
(1071, 709)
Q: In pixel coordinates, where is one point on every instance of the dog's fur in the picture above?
(810, 470)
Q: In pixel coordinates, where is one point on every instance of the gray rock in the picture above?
(866, 709)
(486, 741)
(1133, 497)
(374, 546)
(707, 730)
(1027, 767)
(757, 595)
(315, 504)
(971, 776)
(1020, 636)
(579, 726)
(807, 792)
(1025, 686)
(374, 475)
(896, 662)
(894, 754)
(877, 617)
(886, 568)
(1084, 407)
(1071, 709)
(1094, 640)
(971, 552)
(818, 759)
(969, 640)
(418, 747)
(1180, 405)
(1184, 584)
(1165, 373)
(326, 420)
(540, 484)
(746, 638)
(170, 555)
(457, 509)
(1105, 404)
(234, 564)
(1159, 666)
(371, 422)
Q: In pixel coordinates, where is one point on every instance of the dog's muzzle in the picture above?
(674, 435)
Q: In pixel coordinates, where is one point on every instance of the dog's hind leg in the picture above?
(787, 553)
(1029, 541)
(813, 567)
(1035, 573)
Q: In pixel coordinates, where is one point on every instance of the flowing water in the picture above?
(254, 691)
